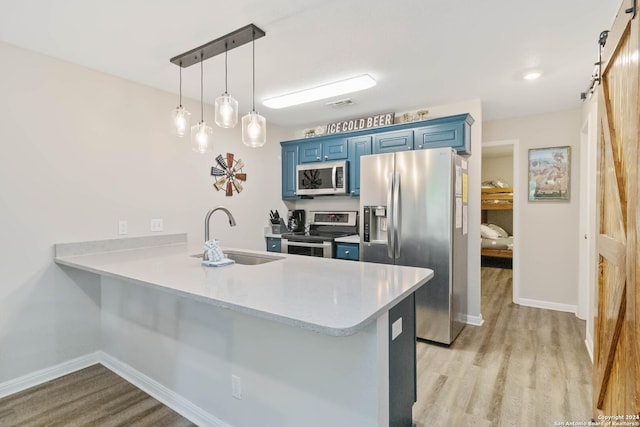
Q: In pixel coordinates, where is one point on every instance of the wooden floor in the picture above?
(524, 367)
(94, 396)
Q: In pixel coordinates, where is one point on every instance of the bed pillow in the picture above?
(501, 231)
(487, 232)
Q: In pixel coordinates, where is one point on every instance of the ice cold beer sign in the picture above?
(361, 123)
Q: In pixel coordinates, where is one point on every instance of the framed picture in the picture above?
(549, 173)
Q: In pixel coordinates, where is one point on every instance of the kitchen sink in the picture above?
(246, 258)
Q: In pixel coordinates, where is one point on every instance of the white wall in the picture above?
(80, 151)
(498, 167)
(473, 107)
(549, 230)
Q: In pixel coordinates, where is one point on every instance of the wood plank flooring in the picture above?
(524, 367)
(94, 396)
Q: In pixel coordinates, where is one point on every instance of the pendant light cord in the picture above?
(254, 71)
(201, 90)
(226, 72)
(180, 83)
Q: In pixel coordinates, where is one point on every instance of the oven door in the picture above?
(319, 249)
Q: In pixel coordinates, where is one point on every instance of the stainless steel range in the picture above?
(324, 228)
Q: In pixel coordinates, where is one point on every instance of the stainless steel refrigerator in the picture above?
(413, 210)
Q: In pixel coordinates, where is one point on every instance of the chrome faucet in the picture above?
(232, 223)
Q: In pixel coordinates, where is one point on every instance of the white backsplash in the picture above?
(325, 203)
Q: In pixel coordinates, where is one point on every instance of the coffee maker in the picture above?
(296, 220)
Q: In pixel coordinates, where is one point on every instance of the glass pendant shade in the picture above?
(226, 111)
(181, 121)
(201, 136)
(254, 130)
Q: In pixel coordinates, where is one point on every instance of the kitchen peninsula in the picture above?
(307, 341)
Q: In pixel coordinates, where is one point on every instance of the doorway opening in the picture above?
(500, 207)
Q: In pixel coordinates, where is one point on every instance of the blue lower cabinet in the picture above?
(274, 244)
(348, 251)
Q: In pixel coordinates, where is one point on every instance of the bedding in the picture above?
(499, 243)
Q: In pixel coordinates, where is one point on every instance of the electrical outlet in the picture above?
(236, 387)
(123, 228)
(156, 224)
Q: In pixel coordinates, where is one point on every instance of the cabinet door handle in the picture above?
(326, 157)
(318, 158)
(346, 252)
(273, 246)
(419, 146)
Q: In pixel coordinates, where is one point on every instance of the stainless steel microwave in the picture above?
(320, 178)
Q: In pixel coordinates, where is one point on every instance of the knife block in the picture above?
(278, 226)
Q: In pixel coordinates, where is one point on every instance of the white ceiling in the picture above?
(421, 52)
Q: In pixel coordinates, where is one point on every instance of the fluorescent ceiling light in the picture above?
(328, 90)
(532, 75)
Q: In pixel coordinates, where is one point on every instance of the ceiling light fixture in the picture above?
(352, 84)
(254, 126)
(532, 75)
(201, 133)
(181, 118)
(226, 106)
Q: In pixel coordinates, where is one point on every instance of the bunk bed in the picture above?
(497, 244)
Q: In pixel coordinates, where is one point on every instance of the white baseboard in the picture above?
(548, 305)
(168, 397)
(43, 375)
(588, 342)
(153, 388)
(473, 320)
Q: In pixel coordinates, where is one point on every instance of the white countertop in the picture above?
(330, 296)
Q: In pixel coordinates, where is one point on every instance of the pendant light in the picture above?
(254, 126)
(201, 133)
(226, 106)
(181, 118)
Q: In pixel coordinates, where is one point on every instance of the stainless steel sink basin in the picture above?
(245, 258)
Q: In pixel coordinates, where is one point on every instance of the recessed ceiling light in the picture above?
(328, 90)
(532, 75)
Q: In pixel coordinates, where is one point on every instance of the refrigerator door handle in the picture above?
(397, 216)
(390, 216)
(333, 177)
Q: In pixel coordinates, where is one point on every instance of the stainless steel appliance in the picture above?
(296, 220)
(324, 228)
(414, 211)
(313, 179)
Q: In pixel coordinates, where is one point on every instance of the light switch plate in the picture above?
(396, 328)
(236, 387)
(123, 228)
(156, 224)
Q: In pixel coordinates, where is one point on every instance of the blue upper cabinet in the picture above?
(289, 163)
(329, 150)
(358, 146)
(388, 142)
(454, 132)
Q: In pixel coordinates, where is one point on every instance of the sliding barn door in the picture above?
(616, 380)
